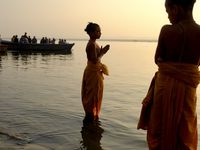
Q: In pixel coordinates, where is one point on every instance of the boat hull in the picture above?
(38, 47)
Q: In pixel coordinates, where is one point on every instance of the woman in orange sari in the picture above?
(169, 109)
(92, 84)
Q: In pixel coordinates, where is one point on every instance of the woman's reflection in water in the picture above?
(91, 135)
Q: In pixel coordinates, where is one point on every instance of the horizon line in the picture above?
(116, 40)
(106, 39)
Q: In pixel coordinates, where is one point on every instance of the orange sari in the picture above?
(169, 109)
(92, 88)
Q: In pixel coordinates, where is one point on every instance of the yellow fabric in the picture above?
(146, 106)
(92, 87)
(172, 122)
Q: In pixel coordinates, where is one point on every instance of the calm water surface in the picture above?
(40, 100)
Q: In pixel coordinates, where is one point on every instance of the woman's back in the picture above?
(180, 42)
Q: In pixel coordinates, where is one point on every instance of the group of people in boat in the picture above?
(46, 40)
(25, 39)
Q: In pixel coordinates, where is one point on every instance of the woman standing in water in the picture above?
(92, 84)
(169, 109)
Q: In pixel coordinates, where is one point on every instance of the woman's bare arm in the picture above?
(103, 50)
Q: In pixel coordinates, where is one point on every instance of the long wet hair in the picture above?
(186, 4)
(91, 27)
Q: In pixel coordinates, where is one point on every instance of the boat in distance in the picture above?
(64, 47)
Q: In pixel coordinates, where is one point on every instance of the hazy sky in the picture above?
(68, 18)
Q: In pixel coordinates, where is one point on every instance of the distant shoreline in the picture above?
(118, 40)
(106, 39)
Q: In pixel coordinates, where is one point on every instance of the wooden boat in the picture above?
(65, 47)
(3, 48)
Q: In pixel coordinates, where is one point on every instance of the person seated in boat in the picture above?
(23, 40)
(46, 40)
(59, 41)
(25, 35)
(42, 40)
(49, 40)
(53, 41)
(34, 40)
(29, 39)
(16, 40)
(12, 39)
(62, 41)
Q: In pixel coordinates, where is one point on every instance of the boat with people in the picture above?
(3, 47)
(38, 47)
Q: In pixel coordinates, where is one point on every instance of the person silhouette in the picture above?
(92, 83)
(169, 108)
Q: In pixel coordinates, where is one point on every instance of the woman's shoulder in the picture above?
(171, 29)
(90, 45)
(179, 28)
(171, 32)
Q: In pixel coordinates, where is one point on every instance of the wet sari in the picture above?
(92, 88)
(169, 109)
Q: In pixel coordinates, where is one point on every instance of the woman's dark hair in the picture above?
(91, 27)
(186, 4)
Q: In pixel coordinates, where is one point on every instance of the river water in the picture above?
(40, 101)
